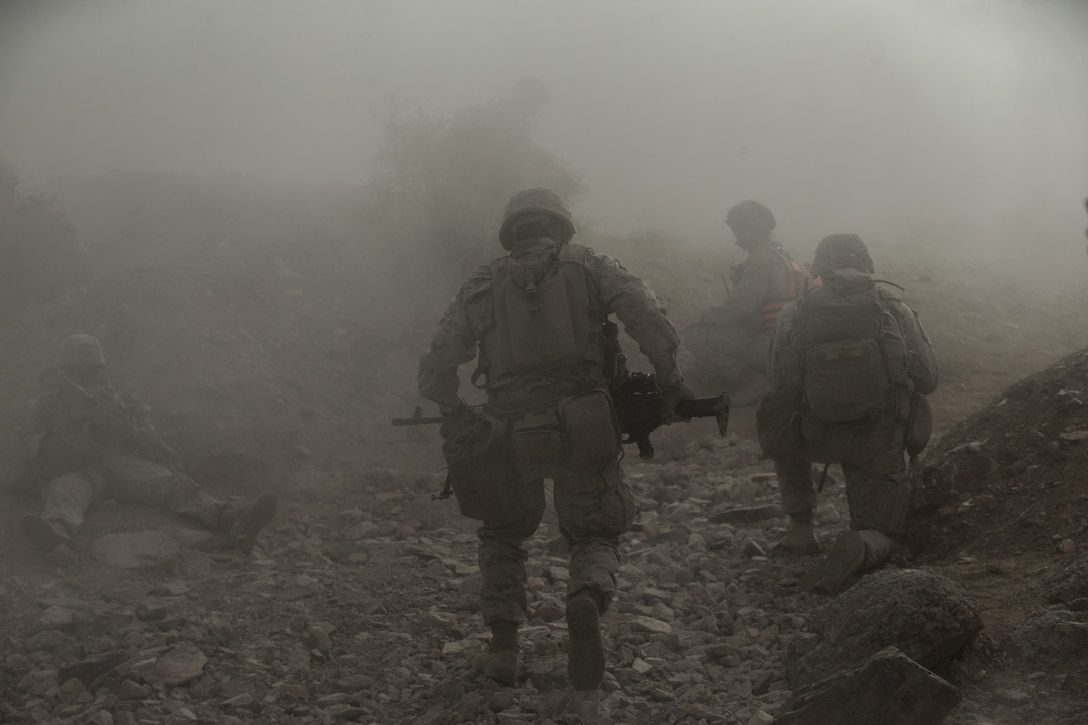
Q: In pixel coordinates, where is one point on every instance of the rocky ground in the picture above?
(269, 369)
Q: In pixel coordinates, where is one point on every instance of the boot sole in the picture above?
(845, 558)
(585, 655)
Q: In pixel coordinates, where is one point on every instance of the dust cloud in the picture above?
(954, 126)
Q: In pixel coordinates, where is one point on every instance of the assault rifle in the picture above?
(637, 398)
(638, 403)
(112, 417)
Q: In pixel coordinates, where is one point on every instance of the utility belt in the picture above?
(493, 455)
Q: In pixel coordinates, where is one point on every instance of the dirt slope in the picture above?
(273, 354)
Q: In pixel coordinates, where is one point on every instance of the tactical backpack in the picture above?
(542, 315)
(844, 376)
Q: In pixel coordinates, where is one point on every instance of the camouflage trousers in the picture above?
(593, 511)
(130, 478)
(878, 486)
(729, 352)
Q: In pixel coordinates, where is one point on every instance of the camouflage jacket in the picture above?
(760, 277)
(922, 365)
(65, 430)
(469, 319)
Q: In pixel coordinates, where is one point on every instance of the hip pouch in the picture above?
(590, 431)
(919, 425)
(778, 423)
(536, 440)
(830, 442)
(480, 470)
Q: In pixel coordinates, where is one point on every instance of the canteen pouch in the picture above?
(919, 425)
(481, 473)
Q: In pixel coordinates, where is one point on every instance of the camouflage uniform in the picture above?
(592, 513)
(873, 477)
(79, 468)
(593, 508)
(76, 459)
(731, 340)
(877, 479)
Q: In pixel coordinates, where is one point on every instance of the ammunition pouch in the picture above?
(579, 434)
(480, 469)
(919, 425)
(591, 432)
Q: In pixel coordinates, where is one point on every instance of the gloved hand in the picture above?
(670, 396)
(451, 417)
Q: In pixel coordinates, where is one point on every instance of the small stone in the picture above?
(335, 698)
(1067, 546)
(752, 549)
(317, 638)
(1012, 698)
(243, 700)
(130, 690)
(184, 663)
(648, 624)
(761, 717)
(55, 617)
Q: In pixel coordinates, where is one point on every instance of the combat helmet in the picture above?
(536, 200)
(841, 250)
(77, 351)
(751, 214)
(9, 177)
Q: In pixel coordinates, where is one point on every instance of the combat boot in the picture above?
(250, 520)
(501, 661)
(46, 535)
(839, 568)
(800, 537)
(878, 547)
(585, 650)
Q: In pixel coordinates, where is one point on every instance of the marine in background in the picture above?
(536, 317)
(850, 366)
(40, 255)
(85, 442)
(729, 343)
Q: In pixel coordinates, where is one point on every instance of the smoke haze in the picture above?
(939, 123)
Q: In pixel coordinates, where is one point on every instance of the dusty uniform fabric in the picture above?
(78, 467)
(730, 339)
(877, 485)
(594, 509)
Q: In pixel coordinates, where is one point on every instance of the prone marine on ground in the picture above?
(729, 343)
(84, 442)
(850, 366)
(537, 318)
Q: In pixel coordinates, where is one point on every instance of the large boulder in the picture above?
(1050, 638)
(889, 687)
(921, 613)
